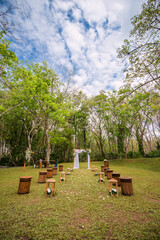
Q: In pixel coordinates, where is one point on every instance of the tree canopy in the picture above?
(36, 112)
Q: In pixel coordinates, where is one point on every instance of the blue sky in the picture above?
(76, 37)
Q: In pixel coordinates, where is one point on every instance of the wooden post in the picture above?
(24, 167)
(74, 162)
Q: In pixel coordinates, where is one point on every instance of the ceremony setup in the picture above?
(75, 195)
(76, 158)
(79, 120)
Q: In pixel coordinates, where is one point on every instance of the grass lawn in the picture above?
(82, 208)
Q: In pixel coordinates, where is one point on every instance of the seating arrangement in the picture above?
(114, 180)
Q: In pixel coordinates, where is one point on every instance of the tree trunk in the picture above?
(140, 142)
(48, 148)
(101, 143)
(29, 147)
(47, 136)
(120, 139)
(84, 135)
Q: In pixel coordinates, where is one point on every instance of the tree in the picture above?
(142, 50)
(7, 22)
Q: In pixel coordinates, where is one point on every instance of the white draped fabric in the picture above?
(88, 161)
(76, 162)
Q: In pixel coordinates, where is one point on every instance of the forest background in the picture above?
(39, 112)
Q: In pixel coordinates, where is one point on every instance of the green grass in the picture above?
(82, 207)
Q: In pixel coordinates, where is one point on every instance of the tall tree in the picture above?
(142, 50)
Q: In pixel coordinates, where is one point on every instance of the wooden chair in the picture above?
(68, 171)
(115, 182)
(50, 181)
(62, 176)
(101, 176)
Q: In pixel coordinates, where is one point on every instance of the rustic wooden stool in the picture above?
(102, 168)
(40, 165)
(105, 170)
(96, 171)
(42, 177)
(116, 176)
(54, 170)
(68, 171)
(109, 173)
(60, 168)
(113, 181)
(106, 163)
(62, 177)
(93, 168)
(47, 164)
(52, 181)
(49, 172)
(126, 186)
(101, 176)
(24, 184)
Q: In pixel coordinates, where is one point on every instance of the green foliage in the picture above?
(8, 57)
(36, 112)
(142, 49)
(131, 154)
(112, 155)
(153, 154)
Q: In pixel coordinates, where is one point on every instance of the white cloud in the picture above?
(76, 13)
(67, 42)
(94, 11)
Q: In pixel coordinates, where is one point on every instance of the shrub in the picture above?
(111, 155)
(153, 154)
(96, 156)
(134, 154)
(121, 155)
(8, 161)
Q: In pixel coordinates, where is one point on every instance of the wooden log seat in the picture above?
(49, 172)
(102, 168)
(54, 170)
(24, 184)
(105, 170)
(42, 177)
(116, 176)
(126, 186)
(60, 168)
(109, 173)
(106, 163)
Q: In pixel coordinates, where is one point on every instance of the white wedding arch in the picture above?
(76, 158)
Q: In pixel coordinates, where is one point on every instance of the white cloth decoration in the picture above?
(76, 163)
(88, 161)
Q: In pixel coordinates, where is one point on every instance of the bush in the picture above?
(153, 154)
(96, 156)
(134, 154)
(111, 155)
(121, 155)
(7, 161)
